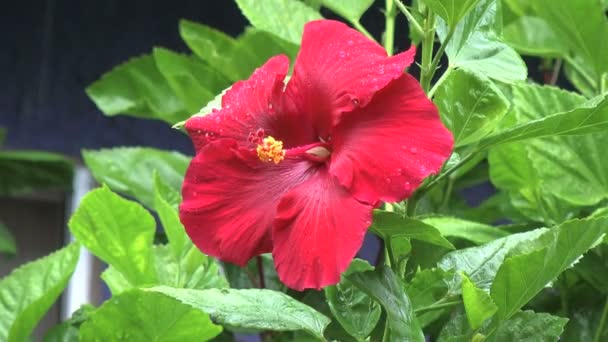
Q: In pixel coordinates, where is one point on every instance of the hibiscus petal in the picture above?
(247, 107)
(230, 199)
(339, 69)
(385, 150)
(317, 232)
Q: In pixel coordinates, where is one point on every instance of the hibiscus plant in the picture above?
(314, 134)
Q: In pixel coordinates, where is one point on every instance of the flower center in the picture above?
(271, 150)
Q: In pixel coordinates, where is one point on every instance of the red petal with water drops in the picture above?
(339, 69)
(230, 199)
(249, 106)
(385, 150)
(317, 232)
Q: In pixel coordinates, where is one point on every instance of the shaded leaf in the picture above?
(192, 81)
(251, 309)
(147, 316)
(30, 290)
(428, 288)
(357, 312)
(385, 288)
(533, 36)
(27, 171)
(166, 201)
(388, 224)
(475, 232)
(7, 241)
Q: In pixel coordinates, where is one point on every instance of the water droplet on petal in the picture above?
(342, 54)
(350, 42)
(387, 179)
(413, 150)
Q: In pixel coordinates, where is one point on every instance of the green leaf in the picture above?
(481, 263)
(27, 171)
(251, 309)
(385, 288)
(476, 46)
(357, 312)
(477, 303)
(452, 11)
(470, 105)
(147, 316)
(7, 241)
(528, 326)
(283, 18)
(352, 10)
(213, 47)
(428, 288)
(166, 201)
(30, 290)
(192, 81)
(129, 170)
(137, 88)
(582, 25)
(118, 231)
(521, 277)
(193, 270)
(68, 331)
(388, 224)
(592, 117)
(546, 171)
(234, 58)
(534, 37)
(2, 135)
(475, 232)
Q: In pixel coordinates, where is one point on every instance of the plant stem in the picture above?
(447, 194)
(362, 29)
(443, 77)
(260, 262)
(437, 305)
(600, 327)
(428, 42)
(439, 53)
(446, 173)
(410, 205)
(389, 31)
(557, 66)
(410, 18)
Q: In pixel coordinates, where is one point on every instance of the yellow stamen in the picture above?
(271, 150)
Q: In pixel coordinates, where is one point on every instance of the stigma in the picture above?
(271, 150)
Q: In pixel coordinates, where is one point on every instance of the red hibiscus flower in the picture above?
(296, 169)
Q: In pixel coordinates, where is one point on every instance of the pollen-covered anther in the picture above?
(271, 150)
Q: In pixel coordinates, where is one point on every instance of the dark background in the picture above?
(54, 49)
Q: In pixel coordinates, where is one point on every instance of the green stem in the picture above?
(410, 205)
(428, 42)
(447, 194)
(410, 18)
(437, 305)
(362, 29)
(600, 327)
(389, 31)
(446, 173)
(440, 52)
(443, 77)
